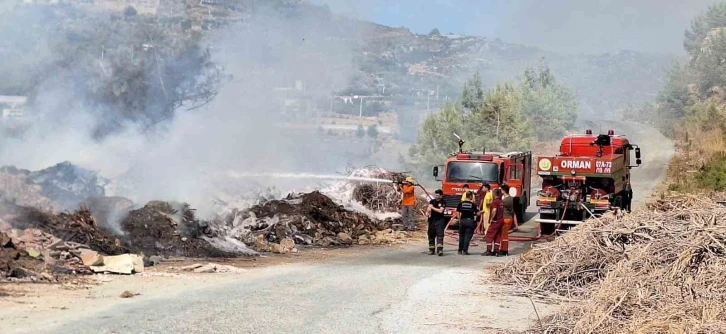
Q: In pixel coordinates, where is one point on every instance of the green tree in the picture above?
(436, 135)
(498, 123)
(545, 102)
(186, 24)
(473, 93)
(372, 131)
(130, 11)
(139, 70)
(360, 131)
(688, 85)
(501, 118)
(702, 25)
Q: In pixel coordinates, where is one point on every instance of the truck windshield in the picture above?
(474, 171)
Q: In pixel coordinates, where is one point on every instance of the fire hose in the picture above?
(559, 224)
(454, 235)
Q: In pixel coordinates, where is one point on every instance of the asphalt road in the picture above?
(385, 290)
(381, 292)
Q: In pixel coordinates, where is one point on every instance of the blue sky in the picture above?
(571, 26)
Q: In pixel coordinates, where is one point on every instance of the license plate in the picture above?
(546, 210)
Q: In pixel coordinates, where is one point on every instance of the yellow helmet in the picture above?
(409, 179)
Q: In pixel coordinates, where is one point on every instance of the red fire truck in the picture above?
(473, 168)
(590, 175)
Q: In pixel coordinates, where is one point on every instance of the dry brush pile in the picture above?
(382, 197)
(657, 270)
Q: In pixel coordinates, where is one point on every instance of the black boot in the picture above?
(488, 253)
(440, 251)
(503, 254)
(431, 251)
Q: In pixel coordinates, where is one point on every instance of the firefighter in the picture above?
(509, 218)
(466, 213)
(480, 194)
(408, 202)
(466, 190)
(485, 209)
(437, 223)
(496, 223)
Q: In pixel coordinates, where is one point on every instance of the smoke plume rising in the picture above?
(187, 158)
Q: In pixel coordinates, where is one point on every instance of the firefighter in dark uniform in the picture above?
(437, 224)
(466, 213)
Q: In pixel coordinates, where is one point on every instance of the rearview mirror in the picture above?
(637, 154)
(436, 171)
(638, 161)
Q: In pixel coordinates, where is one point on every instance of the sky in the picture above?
(566, 26)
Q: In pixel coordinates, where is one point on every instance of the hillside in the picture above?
(401, 69)
(605, 82)
(398, 63)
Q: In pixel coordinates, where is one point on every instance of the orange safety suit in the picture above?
(409, 198)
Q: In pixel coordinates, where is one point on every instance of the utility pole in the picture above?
(428, 99)
(496, 108)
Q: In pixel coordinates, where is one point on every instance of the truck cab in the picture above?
(473, 168)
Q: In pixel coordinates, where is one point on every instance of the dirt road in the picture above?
(378, 290)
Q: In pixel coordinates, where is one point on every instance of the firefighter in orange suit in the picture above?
(408, 203)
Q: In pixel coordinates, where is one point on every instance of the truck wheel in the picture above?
(547, 228)
(618, 201)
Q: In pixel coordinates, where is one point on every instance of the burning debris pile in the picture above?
(101, 235)
(67, 257)
(655, 270)
(73, 243)
(58, 241)
(378, 197)
(60, 187)
(108, 212)
(78, 227)
(382, 197)
(308, 219)
(16, 262)
(170, 229)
